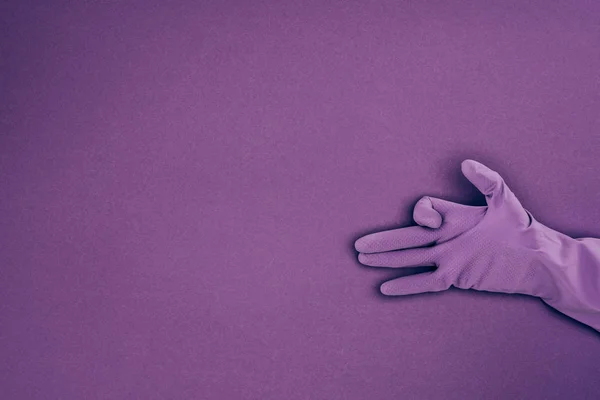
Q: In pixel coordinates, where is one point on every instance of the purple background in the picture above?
(181, 186)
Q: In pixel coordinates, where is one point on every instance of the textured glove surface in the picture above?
(499, 248)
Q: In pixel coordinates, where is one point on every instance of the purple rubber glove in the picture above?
(498, 248)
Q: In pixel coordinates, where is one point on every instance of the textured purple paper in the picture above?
(181, 187)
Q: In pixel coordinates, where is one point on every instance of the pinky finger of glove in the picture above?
(413, 284)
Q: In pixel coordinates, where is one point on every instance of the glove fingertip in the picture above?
(386, 289)
(362, 245)
(468, 166)
(425, 215)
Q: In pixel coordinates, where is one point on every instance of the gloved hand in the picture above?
(498, 248)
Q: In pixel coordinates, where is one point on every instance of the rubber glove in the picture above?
(500, 247)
